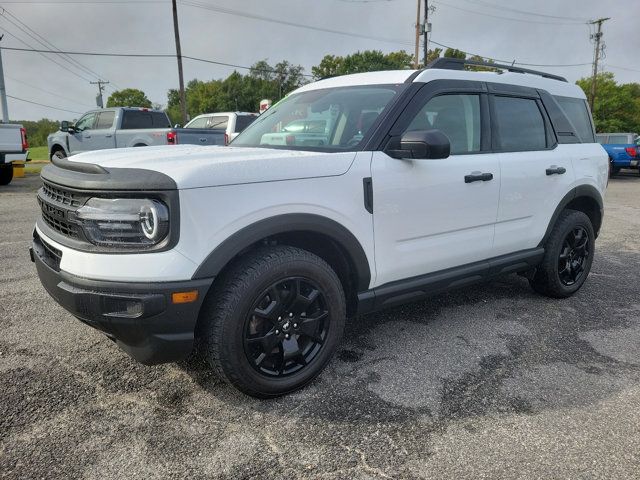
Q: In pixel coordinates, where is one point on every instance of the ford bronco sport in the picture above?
(401, 184)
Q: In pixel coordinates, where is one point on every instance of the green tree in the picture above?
(433, 55)
(237, 92)
(617, 107)
(454, 53)
(129, 97)
(37, 132)
(367, 61)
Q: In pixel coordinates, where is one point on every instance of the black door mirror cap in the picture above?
(64, 126)
(425, 144)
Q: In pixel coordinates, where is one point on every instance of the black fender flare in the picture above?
(588, 191)
(57, 146)
(292, 222)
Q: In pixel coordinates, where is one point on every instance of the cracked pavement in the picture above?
(491, 381)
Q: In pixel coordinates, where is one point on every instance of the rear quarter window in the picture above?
(619, 139)
(140, 119)
(577, 112)
(243, 121)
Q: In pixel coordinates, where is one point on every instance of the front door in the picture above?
(431, 215)
(103, 133)
(80, 138)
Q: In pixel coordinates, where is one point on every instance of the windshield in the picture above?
(330, 119)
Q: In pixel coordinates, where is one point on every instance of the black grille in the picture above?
(58, 205)
(65, 197)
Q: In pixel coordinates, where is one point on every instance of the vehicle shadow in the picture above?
(490, 349)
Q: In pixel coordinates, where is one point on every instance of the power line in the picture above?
(476, 12)
(228, 11)
(31, 48)
(43, 41)
(43, 105)
(525, 12)
(21, 82)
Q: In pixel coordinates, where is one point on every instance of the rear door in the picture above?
(431, 215)
(81, 138)
(103, 131)
(536, 172)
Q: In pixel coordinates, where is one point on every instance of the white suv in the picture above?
(399, 184)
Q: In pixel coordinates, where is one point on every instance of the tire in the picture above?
(6, 174)
(568, 256)
(253, 315)
(59, 154)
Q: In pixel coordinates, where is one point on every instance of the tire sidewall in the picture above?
(6, 173)
(578, 219)
(232, 348)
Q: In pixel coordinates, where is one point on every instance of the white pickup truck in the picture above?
(13, 140)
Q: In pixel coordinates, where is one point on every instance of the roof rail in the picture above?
(447, 63)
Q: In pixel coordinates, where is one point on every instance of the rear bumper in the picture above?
(139, 317)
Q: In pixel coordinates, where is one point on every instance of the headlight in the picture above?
(130, 222)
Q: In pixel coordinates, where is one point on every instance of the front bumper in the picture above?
(140, 317)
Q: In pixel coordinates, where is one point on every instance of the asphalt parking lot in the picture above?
(489, 382)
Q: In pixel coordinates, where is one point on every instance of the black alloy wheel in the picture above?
(573, 256)
(286, 327)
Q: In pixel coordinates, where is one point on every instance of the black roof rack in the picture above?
(447, 63)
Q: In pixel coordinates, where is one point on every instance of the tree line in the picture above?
(617, 106)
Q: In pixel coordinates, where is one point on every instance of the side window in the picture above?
(218, 123)
(243, 121)
(105, 120)
(457, 116)
(577, 112)
(133, 120)
(160, 120)
(601, 138)
(86, 122)
(619, 139)
(520, 124)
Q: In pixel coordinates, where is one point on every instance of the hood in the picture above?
(193, 166)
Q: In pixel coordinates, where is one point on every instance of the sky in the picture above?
(550, 32)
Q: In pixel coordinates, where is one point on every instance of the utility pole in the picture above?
(101, 84)
(183, 98)
(3, 91)
(596, 56)
(416, 62)
(427, 29)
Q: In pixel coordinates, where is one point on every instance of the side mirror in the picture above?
(177, 125)
(426, 144)
(64, 126)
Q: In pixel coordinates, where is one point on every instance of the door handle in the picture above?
(478, 177)
(86, 136)
(554, 170)
(203, 140)
(108, 135)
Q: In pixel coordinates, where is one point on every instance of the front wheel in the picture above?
(273, 321)
(58, 154)
(568, 256)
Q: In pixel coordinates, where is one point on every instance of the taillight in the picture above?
(172, 138)
(290, 139)
(25, 143)
(631, 151)
(226, 139)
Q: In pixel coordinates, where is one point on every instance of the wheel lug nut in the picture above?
(290, 315)
(279, 318)
(287, 336)
(295, 325)
(277, 332)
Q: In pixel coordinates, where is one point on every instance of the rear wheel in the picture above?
(273, 321)
(568, 256)
(6, 174)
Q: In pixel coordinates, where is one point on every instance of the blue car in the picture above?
(623, 150)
